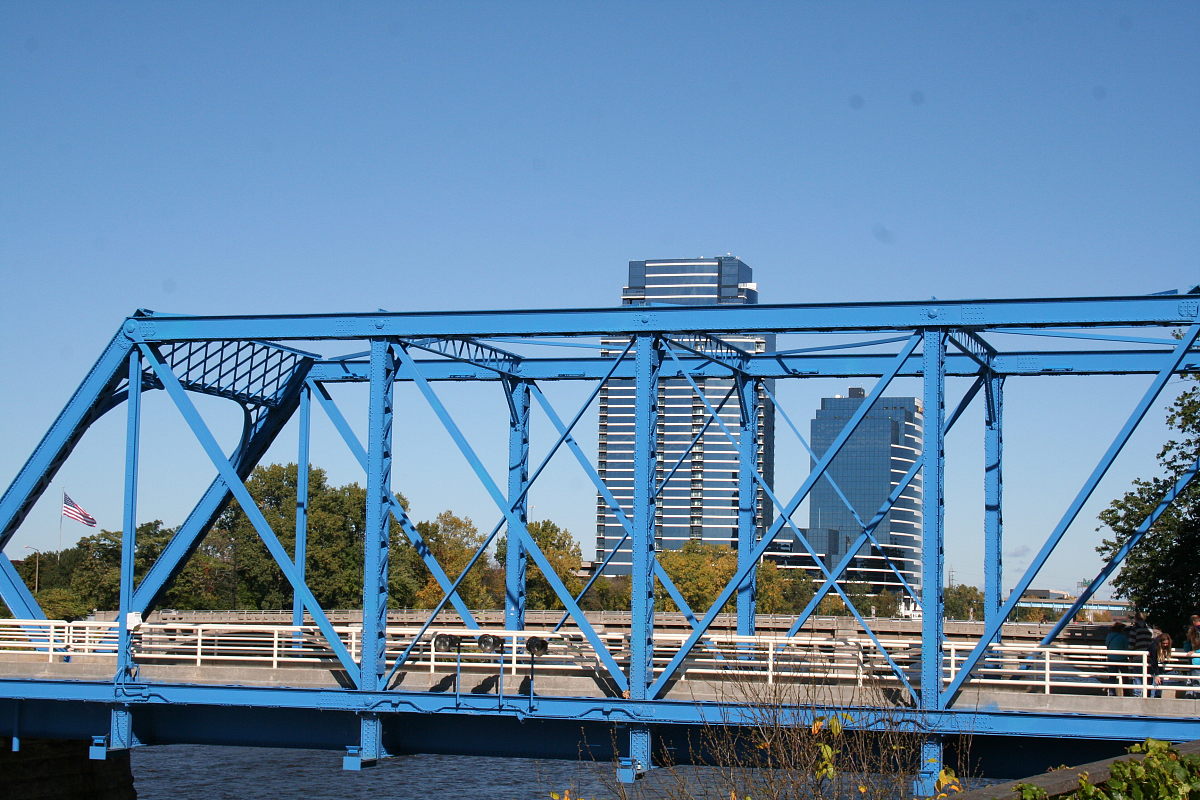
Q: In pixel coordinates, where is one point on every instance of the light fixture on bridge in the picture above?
(537, 646)
(447, 641)
(490, 643)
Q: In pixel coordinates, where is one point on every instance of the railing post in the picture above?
(1046, 670)
(515, 558)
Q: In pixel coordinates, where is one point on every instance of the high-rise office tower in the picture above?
(700, 498)
(869, 466)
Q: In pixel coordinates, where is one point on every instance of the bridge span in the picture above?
(375, 688)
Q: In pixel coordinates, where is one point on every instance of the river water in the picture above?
(192, 772)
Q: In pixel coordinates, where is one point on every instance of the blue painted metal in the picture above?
(401, 516)
(603, 490)
(515, 559)
(302, 478)
(232, 357)
(16, 594)
(747, 392)
(375, 545)
(249, 507)
(785, 518)
(125, 666)
(1184, 480)
(514, 523)
(266, 427)
(84, 407)
(771, 365)
(991, 630)
(648, 357)
(933, 350)
(1057, 312)
(993, 498)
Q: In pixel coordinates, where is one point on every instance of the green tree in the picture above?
(700, 571)
(1160, 575)
(563, 553)
(453, 540)
(240, 571)
(963, 602)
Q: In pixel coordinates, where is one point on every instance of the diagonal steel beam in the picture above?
(249, 507)
(1176, 489)
(88, 402)
(398, 513)
(717, 351)
(1139, 412)
(614, 506)
(785, 518)
(254, 445)
(869, 528)
(16, 594)
(469, 351)
(514, 522)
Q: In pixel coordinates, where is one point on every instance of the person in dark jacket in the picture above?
(1160, 654)
(1141, 639)
(1117, 640)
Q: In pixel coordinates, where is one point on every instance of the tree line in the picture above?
(232, 569)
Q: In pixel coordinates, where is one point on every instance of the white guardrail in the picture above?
(1067, 669)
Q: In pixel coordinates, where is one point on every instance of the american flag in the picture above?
(72, 509)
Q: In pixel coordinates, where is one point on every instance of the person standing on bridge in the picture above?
(1160, 654)
(1141, 639)
(1115, 642)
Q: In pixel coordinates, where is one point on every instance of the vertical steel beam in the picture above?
(993, 496)
(375, 542)
(747, 502)
(253, 513)
(648, 361)
(1181, 483)
(1165, 373)
(129, 531)
(120, 726)
(302, 470)
(933, 508)
(325, 401)
(215, 499)
(516, 559)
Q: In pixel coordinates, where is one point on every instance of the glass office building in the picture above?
(871, 464)
(700, 499)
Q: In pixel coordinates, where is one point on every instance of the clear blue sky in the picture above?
(293, 157)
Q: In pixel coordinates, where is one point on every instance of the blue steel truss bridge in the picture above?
(453, 680)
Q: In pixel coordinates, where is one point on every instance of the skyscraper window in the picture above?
(699, 500)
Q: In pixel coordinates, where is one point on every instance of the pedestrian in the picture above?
(1141, 639)
(1116, 642)
(1160, 654)
(1191, 647)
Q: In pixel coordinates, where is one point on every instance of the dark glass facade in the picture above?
(869, 466)
(700, 499)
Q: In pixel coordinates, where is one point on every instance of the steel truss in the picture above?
(246, 360)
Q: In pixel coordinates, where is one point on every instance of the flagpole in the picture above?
(60, 516)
